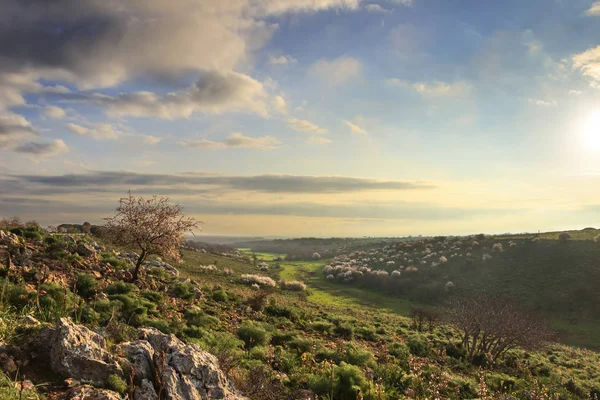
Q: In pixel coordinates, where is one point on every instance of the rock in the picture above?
(9, 238)
(187, 371)
(145, 391)
(69, 239)
(7, 364)
(97, 274)
(23, 257)
(90, 393)
(140, 354)
(159, 264)
(84, 250)
(24, 385)
(79, 353)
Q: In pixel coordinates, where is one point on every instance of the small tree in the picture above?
(563, 237)
(151, 225)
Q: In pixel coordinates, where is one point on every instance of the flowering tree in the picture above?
(152, 225)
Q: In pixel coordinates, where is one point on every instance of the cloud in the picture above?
(376, 8)
(433, 89)
(302, 125)
(337, 71)
(43, 149)
(543, 103)
(355, 128)
(214, 93)
(282, 60)
(235, 140)
(280, 105)
(589, 64)
(574, 92)
(119, 180)
(317, 140)
(96, 131)
(13, 128)
(594, 10)
(54, 112)
(149, 139)
(145, 163)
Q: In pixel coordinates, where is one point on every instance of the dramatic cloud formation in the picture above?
(263, 183)
(301, 125)
(43, 149)
(235, 140)
(336, 72)
(215, 92)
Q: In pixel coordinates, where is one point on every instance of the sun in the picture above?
(590, 131)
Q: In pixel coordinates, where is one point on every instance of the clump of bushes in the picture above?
(253, 335)
(86, 285)
(260, 280)
(295, 286)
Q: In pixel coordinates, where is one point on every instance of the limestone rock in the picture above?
(140, 354)
(145, 391)
(187, 371)
(84, 250)
(8, 238)
(77, 352)
(90, 393)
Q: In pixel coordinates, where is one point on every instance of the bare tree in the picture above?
(492, 326)
(152, 225)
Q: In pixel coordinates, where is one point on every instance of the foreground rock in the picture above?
(160, 363)
(77, 352)
(90, 393)
(187, 371)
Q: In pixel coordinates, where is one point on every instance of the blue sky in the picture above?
(424, 116)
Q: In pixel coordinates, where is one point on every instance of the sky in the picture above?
(305, 117)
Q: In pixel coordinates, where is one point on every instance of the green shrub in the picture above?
(418, 345)
(301, 345)
(200, 319)
(183, 290)
(17, 231)
(153, 296)
(277, 310)
(282, 338)
(345, 331)
(120, 287)
(32, 235)
(253, 335)
(86, 285)
(195, 332)
(116, 383)
(322, 327)
(18, 295)
(356, 355)
(220, 296)
(400, 351)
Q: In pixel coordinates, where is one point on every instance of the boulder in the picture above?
(84, 250)
(22, 257)
(145, 391)
(8, 239)
(159, 264)
(79, 353)
(140, 355)
(188, 372)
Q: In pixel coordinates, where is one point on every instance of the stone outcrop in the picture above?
(160, 363)
(187, 372)
(90, 393)
(77, 352)
(84, 250)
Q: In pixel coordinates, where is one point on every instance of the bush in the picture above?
(418, 345)
(200, 319)
(322, 327)
(345, 331)
(253, 335)
(32, 235)
(356, 355)
(183, 290)
(120, 287)
(294, 286)
(220, 296)
(260, 280)
(86, 285)
(116, 383)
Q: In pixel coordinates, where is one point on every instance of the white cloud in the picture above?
(433, 89)
(543, 103)
(43, 149)
(54, 112)
(280, 104)
(589, 63)
(355, 128)
(302, 125)
(96, 131)
(216, 92)
(282, 60)
(574, 92)
(236, 140)
(594, 9)
(144, 163)
(337, 71)
(317, 140)
(376, 8)
(149, 139)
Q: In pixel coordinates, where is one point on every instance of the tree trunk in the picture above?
(138, 264)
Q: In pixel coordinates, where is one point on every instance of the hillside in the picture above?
(272, 339)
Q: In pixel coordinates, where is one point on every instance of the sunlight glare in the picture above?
(591, 131)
